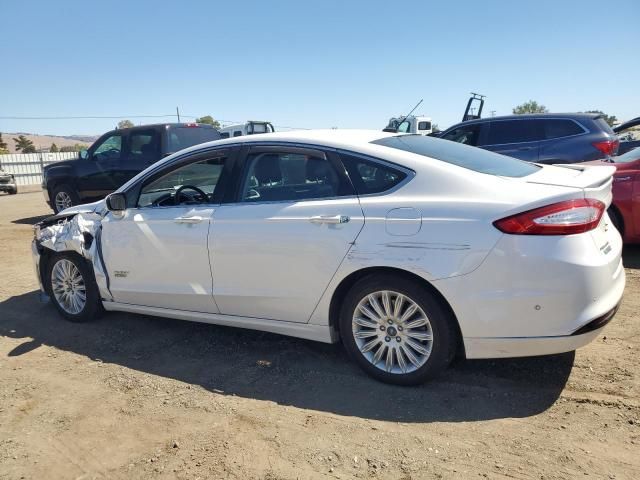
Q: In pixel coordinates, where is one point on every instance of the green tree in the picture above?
(54, 148)
(74, 148)
(209, 120)
(4, 149)
(610, 119)
(24, 145)
(125, 124)
(530, 107)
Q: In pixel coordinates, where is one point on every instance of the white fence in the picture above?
(27, 167)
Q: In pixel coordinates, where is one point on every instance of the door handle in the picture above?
(333, 219)
(188, 219)
(526, 148)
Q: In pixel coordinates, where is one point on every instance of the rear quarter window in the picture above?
(370, 176)
(476, 159)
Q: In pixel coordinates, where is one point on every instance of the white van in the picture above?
(411, 124)
(250, 128)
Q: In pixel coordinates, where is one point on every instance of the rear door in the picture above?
(518, 138)
(142, 148)
(276, 247)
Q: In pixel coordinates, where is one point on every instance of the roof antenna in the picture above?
(402, 118)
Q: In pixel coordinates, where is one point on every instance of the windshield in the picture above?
(472, 158)
(183, 137)
(630, 156)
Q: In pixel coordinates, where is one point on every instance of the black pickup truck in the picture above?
(116, 157)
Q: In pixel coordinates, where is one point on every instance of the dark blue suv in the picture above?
(542, 138)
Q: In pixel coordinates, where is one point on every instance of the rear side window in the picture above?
(290, 177)
(224, 135)
(183, 137)
(514, 131)
(370, 176)
(424, 126)
(476, 159)
(467, 134)
(556, 128)
(144, 145)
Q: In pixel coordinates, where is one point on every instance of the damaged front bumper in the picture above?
(74, 232)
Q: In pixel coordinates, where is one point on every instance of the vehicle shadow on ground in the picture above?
(631, 256)
(30, 220)
(286, 370)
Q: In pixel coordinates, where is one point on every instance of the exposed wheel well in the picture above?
(348, 282)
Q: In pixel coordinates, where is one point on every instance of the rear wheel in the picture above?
(396, 330)
(64, 197)
(72, 287)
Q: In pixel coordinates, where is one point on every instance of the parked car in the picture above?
(625, 209)
(542, 138)
(8, 182)
(406, 247)
(629, 133)
(251, 127)
(116, 157)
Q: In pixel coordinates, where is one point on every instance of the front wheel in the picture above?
(396, 330)
(71, 285)
(64, 197)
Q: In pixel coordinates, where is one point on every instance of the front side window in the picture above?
(189, 184)
(110, 148)
(404, 127)
(514, 131)
(467, 134)
(144, 145)
(371, 177)
(289, 176)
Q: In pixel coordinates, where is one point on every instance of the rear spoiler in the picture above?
(591, 176)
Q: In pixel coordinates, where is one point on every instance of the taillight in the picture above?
(608, 147)
(563, 218)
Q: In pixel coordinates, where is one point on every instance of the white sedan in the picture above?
(408, 249)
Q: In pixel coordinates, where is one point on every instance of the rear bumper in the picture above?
(538, 296)
(535, 346)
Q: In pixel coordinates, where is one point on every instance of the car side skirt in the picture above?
(318, 333)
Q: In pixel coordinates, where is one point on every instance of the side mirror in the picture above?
(83, 154)
(116, 202)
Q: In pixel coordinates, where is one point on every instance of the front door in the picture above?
(157, 251)
(104, 157)
(276, 249)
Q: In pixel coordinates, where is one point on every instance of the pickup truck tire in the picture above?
(63, 196)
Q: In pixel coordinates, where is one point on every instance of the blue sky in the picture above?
(347, 64)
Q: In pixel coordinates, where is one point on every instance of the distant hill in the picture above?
(45, 141)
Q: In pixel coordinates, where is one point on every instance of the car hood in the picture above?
(95, 207)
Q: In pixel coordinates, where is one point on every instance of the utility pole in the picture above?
(178, 114)
(493, 113)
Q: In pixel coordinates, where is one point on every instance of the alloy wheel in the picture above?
(63, 200)
(392, 332)
(68, 286)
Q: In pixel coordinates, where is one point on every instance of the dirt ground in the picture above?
(139, 397)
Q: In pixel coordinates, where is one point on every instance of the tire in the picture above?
(62, 195)
(393, 334)
(92, 306)
(13, 192)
